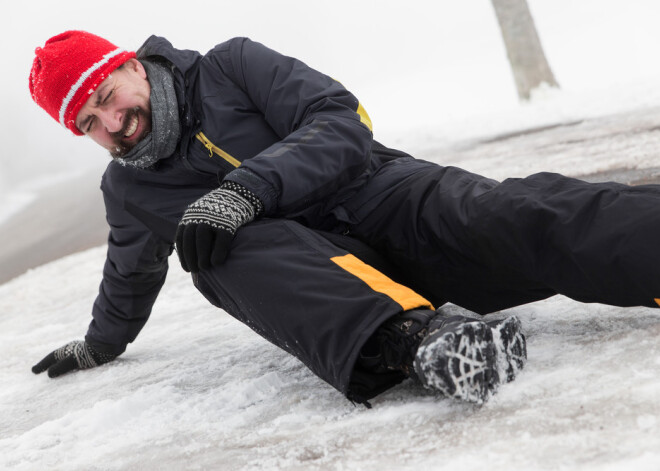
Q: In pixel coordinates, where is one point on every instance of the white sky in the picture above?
(422, 63)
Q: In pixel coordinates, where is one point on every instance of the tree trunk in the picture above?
(523, 47)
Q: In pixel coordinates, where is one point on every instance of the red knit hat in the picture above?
(67, 70)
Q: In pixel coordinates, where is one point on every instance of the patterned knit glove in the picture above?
(209, 224)
(76, 355)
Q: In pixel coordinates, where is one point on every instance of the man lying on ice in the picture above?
(265, 176)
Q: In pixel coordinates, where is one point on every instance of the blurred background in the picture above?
(430, 73)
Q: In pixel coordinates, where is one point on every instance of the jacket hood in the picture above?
(156, 46)
(183, 63)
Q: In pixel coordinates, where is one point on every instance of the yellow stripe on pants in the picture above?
(380, 283)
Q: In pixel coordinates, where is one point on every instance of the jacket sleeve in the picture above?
(134, 272)
(325, 134)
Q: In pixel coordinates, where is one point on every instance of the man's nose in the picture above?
(111, 119)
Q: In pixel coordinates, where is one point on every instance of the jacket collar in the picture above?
(184, 65)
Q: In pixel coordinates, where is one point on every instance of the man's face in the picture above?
(118, 114)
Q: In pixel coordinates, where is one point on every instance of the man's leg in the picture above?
(486, 245)
(350, 324)
(310, 298)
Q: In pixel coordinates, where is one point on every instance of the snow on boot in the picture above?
(458, 358)
(511, 346)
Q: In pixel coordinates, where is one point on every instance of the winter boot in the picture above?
(511, 345)
(458, 358)
(394, 344)
(467, 359)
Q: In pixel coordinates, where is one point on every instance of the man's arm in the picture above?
(134, 272)
(325, 134)
(325, 142)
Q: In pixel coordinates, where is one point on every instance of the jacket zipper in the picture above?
(212, 148)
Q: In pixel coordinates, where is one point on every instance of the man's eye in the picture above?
(107, 97)
(89, 126)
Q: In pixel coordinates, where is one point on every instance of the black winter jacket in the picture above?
(303, 143)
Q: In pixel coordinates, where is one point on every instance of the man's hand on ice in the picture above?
(76, 355)
(209, 224)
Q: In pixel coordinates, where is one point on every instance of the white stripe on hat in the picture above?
(85, 75)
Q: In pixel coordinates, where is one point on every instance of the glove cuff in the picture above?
(256, 203)
(226, 208)
(100, 357)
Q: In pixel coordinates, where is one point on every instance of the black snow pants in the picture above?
(311, 298)
(484, 245)
(432, 234)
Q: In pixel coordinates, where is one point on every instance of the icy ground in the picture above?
(198, 390)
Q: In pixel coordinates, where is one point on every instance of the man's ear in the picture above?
(134, 65)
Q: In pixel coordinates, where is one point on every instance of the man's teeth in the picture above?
(132, 127)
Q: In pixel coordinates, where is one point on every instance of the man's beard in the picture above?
(121, 145)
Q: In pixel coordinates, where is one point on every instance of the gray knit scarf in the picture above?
(165, 127)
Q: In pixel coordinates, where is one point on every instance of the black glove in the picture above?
(73, 356)
(209, 224)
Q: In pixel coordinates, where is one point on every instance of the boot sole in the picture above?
(461, 363)
(511, 346)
